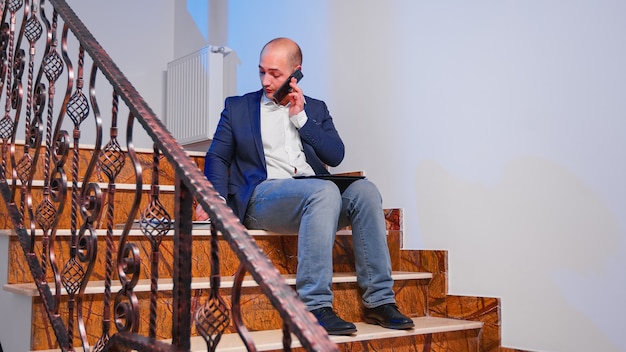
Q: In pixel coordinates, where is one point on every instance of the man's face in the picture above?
(274, 69)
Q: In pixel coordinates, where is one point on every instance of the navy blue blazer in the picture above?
(235, 161)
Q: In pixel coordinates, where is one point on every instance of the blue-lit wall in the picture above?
(497, 126)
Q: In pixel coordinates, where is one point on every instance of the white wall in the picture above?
(191, 30)
(15, 310)
(139, 37)
(518, 160)
(497, 126)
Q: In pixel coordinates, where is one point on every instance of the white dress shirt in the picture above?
(282, 146)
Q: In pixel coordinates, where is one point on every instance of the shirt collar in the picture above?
(266, 101)
(271, 103)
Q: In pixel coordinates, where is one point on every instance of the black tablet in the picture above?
(342, 181)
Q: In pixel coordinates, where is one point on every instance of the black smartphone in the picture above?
(282, 92)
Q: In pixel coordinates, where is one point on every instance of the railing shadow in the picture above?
(45, 50)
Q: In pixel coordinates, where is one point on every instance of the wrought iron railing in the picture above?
(42, 88)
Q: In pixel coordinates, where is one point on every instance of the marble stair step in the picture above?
(166, 284)
(271, 340)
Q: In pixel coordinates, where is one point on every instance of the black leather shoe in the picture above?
(388, 316)
(332, 323)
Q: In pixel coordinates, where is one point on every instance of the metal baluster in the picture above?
(112, 161)
(181, 317)
(242, 330)
(126, 306)
(16, 94)
(212, 318)
(6, 124)
(155, 223)
(46, 212)
(77, 110)
(32, 30)
(90, 202)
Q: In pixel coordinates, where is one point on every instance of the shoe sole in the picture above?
(406, 326)
(342, 332)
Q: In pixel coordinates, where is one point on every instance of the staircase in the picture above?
(81, 273)
(443, 322)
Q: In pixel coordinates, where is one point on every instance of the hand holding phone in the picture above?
(281, 93)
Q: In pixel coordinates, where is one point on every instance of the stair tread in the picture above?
(166, 284)
(200, 229)
(272, 339)
(266, 340)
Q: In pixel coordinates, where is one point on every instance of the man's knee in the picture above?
(326, 193)
(363, 189)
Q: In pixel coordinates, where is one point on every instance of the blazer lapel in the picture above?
(254, 105)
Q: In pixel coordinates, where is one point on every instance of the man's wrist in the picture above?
(299, 119)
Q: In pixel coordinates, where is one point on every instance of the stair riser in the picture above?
(123, 200)
(280, 249)
(126, 174)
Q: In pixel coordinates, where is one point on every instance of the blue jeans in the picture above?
(315, 209)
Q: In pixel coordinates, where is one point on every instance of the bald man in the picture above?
(259, 146)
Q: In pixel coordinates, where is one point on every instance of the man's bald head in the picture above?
(291, 49)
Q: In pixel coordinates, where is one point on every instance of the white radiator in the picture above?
(195, 94)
